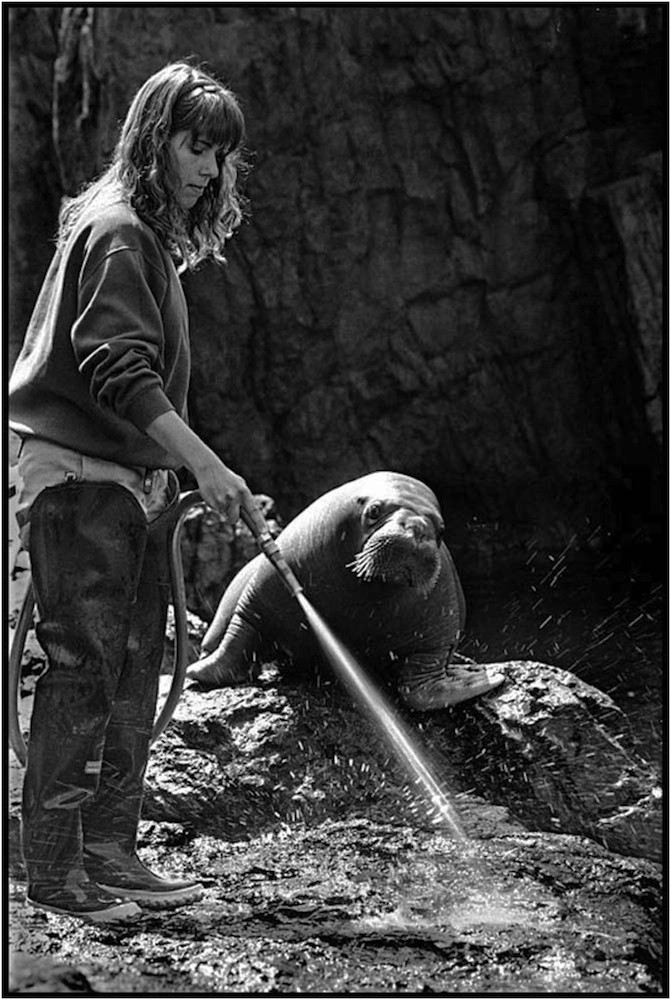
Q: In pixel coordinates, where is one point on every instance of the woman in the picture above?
(98, 397)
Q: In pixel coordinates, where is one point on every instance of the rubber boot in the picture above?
(87, 543)
(110, 820)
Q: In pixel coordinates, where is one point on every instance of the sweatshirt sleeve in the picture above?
(118, 337)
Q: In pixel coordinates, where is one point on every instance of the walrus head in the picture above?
(400, 545)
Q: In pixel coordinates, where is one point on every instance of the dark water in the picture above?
(604, 620)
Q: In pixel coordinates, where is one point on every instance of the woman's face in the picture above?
(194, 164)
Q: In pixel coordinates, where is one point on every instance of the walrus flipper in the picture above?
(229, 650)
(234, 661)
(427, 685)
(228, 604)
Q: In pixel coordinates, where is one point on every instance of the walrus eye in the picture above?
(374, 512)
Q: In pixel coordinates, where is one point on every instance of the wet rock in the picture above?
(355, 906)
(29, 973)
(560, 755)
(548, 748)
(240, 761)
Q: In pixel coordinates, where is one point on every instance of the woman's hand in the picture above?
(223, 489)
(220, 487)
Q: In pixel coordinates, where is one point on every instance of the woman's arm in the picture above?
(220, 487)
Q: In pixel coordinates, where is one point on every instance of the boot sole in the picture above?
(122, 913)
(156, 900)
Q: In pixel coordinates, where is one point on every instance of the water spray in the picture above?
(399, 737)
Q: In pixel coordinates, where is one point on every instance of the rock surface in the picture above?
(353, 906)
(551, 749)
(560, 755)
(546, 747)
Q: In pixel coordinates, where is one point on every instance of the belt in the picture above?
(147, 478)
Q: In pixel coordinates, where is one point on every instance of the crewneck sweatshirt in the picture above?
(107, 346)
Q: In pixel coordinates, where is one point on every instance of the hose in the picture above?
(22, 627)
(258, 526)
(181, 657)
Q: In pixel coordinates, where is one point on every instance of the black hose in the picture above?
(181, 657)
(16, 653)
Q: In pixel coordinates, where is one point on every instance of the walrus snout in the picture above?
(419, 527)
(402, 550)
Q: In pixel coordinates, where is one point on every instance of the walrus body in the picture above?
(370, 557)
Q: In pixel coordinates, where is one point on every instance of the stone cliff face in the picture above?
(452, 265)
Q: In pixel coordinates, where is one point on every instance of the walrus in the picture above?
(372, 561)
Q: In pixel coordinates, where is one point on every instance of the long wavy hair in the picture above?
(180, 97)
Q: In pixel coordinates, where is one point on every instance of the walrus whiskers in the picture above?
(381, 559)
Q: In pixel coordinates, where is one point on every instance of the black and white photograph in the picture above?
(336, 485)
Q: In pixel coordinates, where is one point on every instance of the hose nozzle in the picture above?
(258, 526)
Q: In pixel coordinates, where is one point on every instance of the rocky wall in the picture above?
(452, 263)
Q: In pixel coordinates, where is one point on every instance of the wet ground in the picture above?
(358, 907)
(381, 906)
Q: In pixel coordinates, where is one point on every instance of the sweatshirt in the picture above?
(107, 346)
